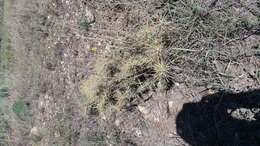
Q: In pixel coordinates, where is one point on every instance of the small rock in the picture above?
(89, 16)
(138, 132)
(36, 134)
(171, 135)
(34, 131)
(117, 122)
(143, 110)
(177, 84)
(170, 104)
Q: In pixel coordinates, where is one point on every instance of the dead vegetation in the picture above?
(125, 74)
(120, 54)
(181, 42)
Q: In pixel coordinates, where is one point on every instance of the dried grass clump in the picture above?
(120, 79)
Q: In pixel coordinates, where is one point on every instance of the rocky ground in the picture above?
(55, 43)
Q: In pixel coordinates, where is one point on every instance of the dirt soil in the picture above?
(55, 55)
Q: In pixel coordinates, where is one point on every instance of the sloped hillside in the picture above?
(129, 72)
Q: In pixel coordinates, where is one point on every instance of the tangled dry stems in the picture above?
(126, 74)
(188, 36)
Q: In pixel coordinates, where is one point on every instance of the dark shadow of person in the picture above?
(222, 119)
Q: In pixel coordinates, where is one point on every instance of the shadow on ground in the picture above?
(222, 119)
